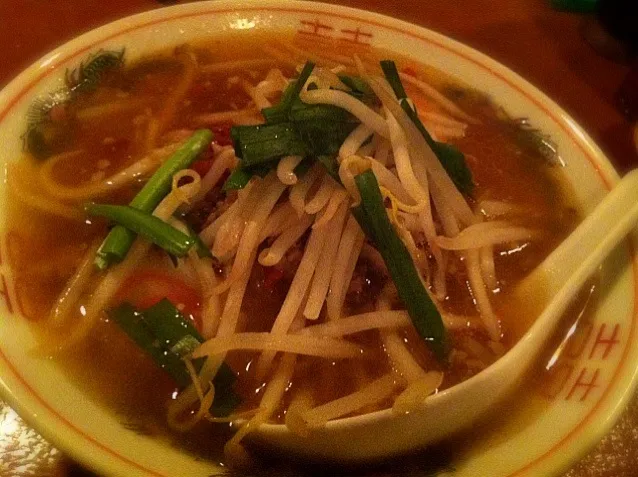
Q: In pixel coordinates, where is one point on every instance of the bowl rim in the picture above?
(16, 90)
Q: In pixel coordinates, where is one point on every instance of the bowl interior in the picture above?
(586, 391)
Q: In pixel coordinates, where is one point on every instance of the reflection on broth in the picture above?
(281, 251)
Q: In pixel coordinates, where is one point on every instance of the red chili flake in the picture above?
(222, 134)
(408, 70)
(202, 166)
(198, 90)
(272, 275)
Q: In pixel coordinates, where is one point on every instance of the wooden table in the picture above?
(543, 45)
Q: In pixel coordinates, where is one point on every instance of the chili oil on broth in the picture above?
(105, 131)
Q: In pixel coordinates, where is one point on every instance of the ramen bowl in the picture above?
(559, 414)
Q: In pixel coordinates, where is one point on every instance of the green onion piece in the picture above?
(453, 161)
(321, 127)
(161, 182)
(391, 73)
(119, 240)
(114, 247)
(266, 143)
(301, 111)
(240, 175)
(154, 229)
(450, 157)
(279, 112)
(180, 337)
(422, 310)
(237, 179)
(304, 166)
(318, 131)
(332, 168)
(360, 89)
(163, 333)
(133, 324)
(305, 73)
(324, 137)
(235, 132)
(331, 165)
(169, 326)
(202, 250)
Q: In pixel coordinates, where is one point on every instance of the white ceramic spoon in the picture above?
(385, 433)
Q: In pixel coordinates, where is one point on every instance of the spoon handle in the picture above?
(578, 257)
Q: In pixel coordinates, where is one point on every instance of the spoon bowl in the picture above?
(386, 433)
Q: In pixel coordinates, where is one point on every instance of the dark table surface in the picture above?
(543, 45)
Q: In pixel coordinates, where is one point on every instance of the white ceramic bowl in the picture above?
(587, 392)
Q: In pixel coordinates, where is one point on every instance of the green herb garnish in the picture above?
(256, 145)
(360, 89)
(163, 333)
(292, 128)
(279, 112)
(374, 221)
(162, 234)
(119, 240)
(452, 159)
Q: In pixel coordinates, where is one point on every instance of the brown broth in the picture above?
(45, 250)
